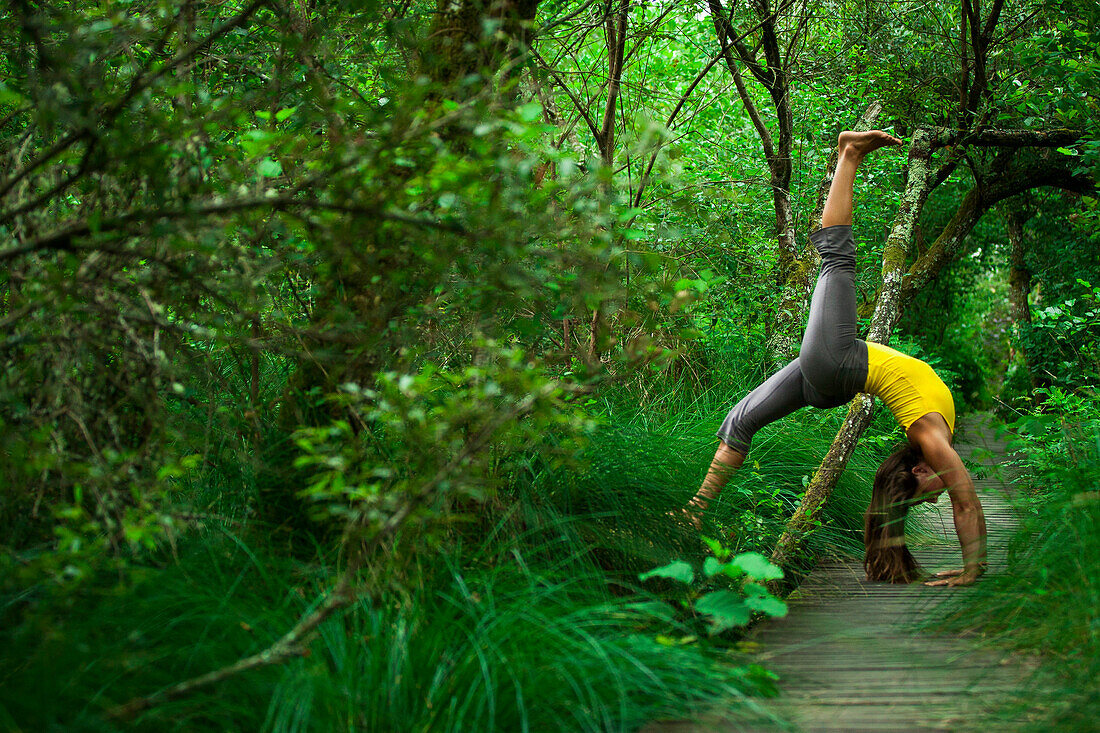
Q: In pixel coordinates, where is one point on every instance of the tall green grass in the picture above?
(500, 644)
(527, 616)
(647, 459)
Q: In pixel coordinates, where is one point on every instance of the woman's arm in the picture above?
(935, 444)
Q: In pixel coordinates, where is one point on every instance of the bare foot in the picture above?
(861, 143)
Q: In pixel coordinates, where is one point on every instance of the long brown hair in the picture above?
(887, 556)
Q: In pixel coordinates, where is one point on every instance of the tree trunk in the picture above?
(772, 75)
(1019, 288)
(615, 25)
(475, 37)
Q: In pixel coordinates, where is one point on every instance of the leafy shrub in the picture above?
(512, 642)
(734, 606)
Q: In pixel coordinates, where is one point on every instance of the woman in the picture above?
(832, 366)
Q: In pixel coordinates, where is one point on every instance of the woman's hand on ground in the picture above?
(961, 576)
(949, 573)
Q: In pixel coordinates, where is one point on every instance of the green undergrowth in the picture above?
(646, 461)
(527, 615)
(1048, 601)
(509, 642)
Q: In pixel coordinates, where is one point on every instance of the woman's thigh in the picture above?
(778, 396)
(833, 359)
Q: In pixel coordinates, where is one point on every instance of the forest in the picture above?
(358, 356)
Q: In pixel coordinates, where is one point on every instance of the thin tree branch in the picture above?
(582, 109)
(63, 237)
(140, 82)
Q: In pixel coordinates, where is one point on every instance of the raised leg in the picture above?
(829, 365)
(852, 148)
(834, 361)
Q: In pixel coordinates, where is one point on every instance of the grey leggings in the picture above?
(831, 366)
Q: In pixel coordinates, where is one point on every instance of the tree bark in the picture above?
(461, 40)
(1019, 286)
(615, 25)
(1009, 178)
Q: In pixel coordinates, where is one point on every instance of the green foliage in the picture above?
(678, 570)
(364, 474)
(1059, 340)
(508, 642)
(727, 608)
(1062, 339)
(236, 234)
(1063, 57)
(338, 276)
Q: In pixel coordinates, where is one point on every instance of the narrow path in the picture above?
(850, 655)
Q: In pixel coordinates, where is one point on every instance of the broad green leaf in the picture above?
(9, 95)
(269, 168)
(725, 608)
(732, 571)
(529, 112)
(678, 570)
(757, 566)
(711, 567)
(770, 605)
(716, 547)
(255, 142)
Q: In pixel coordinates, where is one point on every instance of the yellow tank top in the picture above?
(908, 386)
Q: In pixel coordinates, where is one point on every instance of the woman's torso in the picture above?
(908, 386)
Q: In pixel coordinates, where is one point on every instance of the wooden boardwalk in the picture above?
(850, 654)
